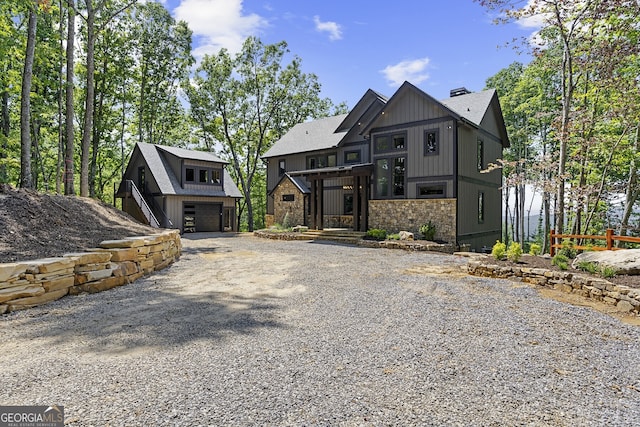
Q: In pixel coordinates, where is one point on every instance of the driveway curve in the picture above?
(246, 331)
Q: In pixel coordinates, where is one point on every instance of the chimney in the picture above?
(459, 91)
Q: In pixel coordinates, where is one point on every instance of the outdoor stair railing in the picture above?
(142, 203)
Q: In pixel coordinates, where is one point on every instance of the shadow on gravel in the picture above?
(130, 319)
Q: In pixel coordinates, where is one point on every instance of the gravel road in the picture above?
(246, 331)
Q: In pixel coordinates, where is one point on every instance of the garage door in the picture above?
(202, 217)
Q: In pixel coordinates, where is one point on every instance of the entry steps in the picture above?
(339, 236)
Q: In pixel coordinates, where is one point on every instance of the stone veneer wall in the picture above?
(295, 209)
(409, 215)
(623, 297)
(27, 284)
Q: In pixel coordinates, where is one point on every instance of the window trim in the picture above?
(211, 173)
(482, 203)
(346, 155)
(480, 155)
(443, 185)
(436, 132)
(325, 157)
(389, 176)
(288, 197)
(390, 135)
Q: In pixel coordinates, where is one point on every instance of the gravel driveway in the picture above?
(246, 331)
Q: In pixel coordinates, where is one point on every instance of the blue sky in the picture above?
(354, 45)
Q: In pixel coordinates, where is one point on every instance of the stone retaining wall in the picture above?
(26, 284)
(623, 297)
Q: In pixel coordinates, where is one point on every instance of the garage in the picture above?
(202, 217)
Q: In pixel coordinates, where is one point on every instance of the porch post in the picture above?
(364, 194)
(356, 203)
(320, 204)
(314, 205)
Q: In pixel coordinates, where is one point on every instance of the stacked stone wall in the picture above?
(409, 215)
(27, 284)
(293, 210)
(623, 297)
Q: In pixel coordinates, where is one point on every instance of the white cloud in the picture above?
(218, 24)
(414, 71)
(334, 29)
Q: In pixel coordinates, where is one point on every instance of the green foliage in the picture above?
(514, 252)
(499, 250)
(589, 267)
(395, 236)
(560, 261)
(428, 230)
(377, 234)
(608, 272)
(535, 249)
(286, 221)
(568, 250)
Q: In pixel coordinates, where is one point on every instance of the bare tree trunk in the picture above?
(506, 216)
(69, 126)
(632, 192)
(89, 102)
(26, 180)
(5, 128)
(60, 158)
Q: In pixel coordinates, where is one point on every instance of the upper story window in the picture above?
(202, 175)
(282, 167)
(321, 161)
(390, 142)
(431, 143)
(480, 149)
(352, 156)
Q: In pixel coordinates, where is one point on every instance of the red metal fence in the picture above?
(609, 238)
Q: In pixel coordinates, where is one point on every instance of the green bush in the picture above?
(377, 234)
(499, 250)
(514, 252)
(608, 272)
(428, 231)
(561, 261)
(395, 236)
(589, 267)
(568, 250)
(535, 249)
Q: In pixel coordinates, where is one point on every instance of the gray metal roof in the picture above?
(472, 106)
(169, 183)
(309, 136)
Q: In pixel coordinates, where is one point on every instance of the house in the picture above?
(176, 188)
(395, 163)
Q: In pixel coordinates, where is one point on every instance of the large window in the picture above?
(390, 177)
(321, 161)
(390, 142)
(348, 204)
(202, 175)
(431, 143)
(282, 167)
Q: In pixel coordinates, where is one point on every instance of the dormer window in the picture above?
(190, 175)
(204, 176)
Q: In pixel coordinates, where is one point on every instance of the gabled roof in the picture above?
(371, 100)
(472, 106)
(168, 182)
(299, 182)
(309, 136)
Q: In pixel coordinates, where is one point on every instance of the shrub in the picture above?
(568, 250)
(377, 234)
(561, 261)
(286, 221)
(535, 249)
(395, 236)
(514, 252)
(589, 267)
(499, 250)
(608, 272)
(428, 231)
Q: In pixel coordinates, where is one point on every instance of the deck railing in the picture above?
(609, 238)
(144, 207)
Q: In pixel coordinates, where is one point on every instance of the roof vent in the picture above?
(459, 91)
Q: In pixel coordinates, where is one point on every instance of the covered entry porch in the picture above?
(361, 176)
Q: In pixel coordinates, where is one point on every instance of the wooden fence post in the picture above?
(609, 239)
(552, 250)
